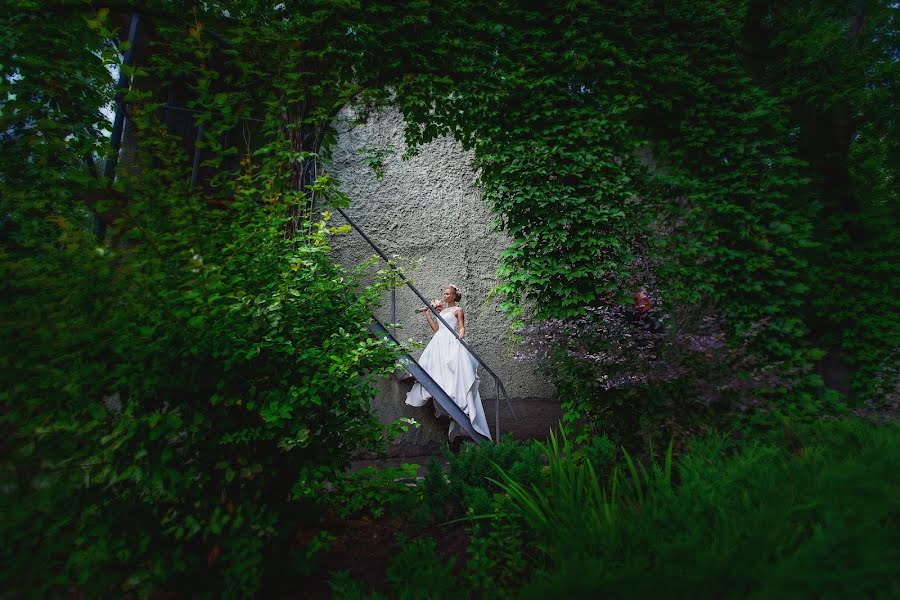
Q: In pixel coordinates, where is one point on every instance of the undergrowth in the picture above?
(814, 515)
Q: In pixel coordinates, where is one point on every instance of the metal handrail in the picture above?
(115, 144)
(501, 389)
(115, 137)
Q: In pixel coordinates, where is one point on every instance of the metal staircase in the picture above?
(440, 396)
(436, 391)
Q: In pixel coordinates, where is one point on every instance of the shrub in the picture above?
(466, 487)
(814, 515)
(371, 491)
(170, 406)
(499, 558)
(418, 572)
(674, 373)
(758, 520)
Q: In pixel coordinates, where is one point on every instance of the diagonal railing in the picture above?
(376, 327)
(501, 389)
(115, 137)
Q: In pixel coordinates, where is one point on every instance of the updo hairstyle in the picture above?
(456, 291)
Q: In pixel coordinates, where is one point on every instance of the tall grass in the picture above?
(573, 490)
(575, 500)
(759, 520)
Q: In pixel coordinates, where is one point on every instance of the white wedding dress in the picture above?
(456, 371)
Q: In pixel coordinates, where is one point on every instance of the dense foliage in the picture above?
(636, 156)
(171, 400)
(670, 146)
(810, 515)
(222, 392)
(835, 67)
(175, 394)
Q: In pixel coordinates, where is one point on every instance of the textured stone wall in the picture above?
(427, 208)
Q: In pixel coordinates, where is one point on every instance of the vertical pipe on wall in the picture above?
(195, 171)
(115, 140)
(394, 311)
(497, 412)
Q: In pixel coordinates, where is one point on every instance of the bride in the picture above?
(451, 365)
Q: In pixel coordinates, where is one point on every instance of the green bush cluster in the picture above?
(233, 375)
(811, 515)
(760, 520)
(175, 395)
(370, 491)
(464, 488)
(496, 556)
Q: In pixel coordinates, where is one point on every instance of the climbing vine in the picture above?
(629, 156)
(176, 395)
(189, 382)
(834, 65)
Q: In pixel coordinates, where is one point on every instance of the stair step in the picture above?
(437, 392)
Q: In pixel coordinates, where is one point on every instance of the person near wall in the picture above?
(642, 313)
(451, 365)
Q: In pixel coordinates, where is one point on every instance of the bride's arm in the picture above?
(462, 322)
(431, 321)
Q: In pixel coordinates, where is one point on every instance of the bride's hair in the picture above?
(456, 291)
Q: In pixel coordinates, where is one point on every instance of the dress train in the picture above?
(456, 371)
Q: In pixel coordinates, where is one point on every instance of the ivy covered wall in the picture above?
(428, 210)
(215, 314)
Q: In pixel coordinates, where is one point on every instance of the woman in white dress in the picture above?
(451, 365)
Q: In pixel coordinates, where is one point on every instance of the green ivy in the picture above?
(173, 399)
(174, 394)
(639, 154)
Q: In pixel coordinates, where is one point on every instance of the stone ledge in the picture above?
(536, 417)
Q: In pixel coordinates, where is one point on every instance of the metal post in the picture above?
(115, 141)
(394, 312)
(195, 171)
(497, 411)
(501, 389)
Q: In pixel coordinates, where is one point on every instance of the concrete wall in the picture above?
(428, 208)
